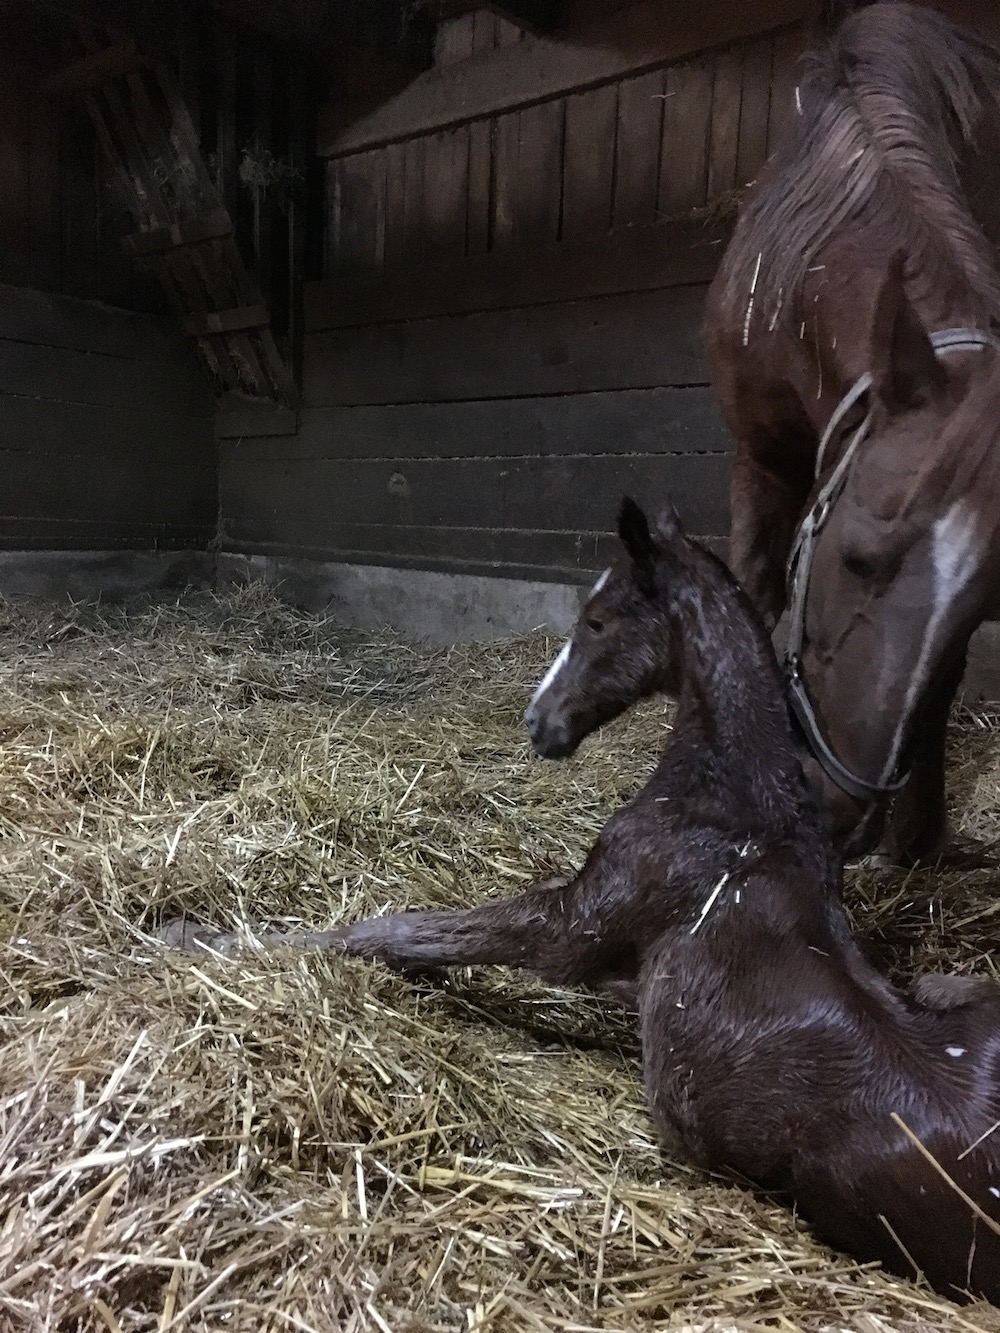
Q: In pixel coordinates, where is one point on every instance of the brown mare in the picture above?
(872, 226)
(712, 904)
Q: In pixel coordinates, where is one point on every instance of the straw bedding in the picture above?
(309, 1143)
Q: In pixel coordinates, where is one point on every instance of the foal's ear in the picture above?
(633, 529)
(906, 373)
(668, 523)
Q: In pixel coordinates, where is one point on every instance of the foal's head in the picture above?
(908, 557)
(624, 646)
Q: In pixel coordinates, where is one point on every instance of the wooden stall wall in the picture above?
(105, 429)
(507, 338)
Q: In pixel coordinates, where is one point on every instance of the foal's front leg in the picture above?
(565, 934)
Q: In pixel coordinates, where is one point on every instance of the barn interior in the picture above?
(331, 333)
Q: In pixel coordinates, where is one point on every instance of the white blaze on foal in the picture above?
(552, 672)
(600, 583)
(566, 649)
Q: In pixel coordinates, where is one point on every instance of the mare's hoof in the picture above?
(190, 937)
(940, 991)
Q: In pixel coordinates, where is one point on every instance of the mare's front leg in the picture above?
(565, 934)
(917, 825)
(765, 507)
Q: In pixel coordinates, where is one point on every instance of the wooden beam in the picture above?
(642, 38)
(110, 63)
(204, 323)
(632, 260)
(535, 15)
(157, 240)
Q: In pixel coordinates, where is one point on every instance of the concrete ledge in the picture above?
(102, 575)
(435, 608)
(451, 608)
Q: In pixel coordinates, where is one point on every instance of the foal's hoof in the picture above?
(940, 991)
(190, 937)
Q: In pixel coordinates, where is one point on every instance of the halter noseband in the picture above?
(800, 563)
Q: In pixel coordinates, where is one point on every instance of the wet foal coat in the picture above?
(712, 903)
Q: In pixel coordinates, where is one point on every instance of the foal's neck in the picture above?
(731, 706)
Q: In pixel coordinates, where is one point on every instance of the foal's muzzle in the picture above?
(549, 739)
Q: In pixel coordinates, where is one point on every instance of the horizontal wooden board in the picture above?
(133, 435)
(70, 533)
(638, 340)
(301, 501)
(637, 39)
(633, 259)
(170, 387)
(617, 422)
(79, 488)
(551, 557)
(86, 326)
(480, 550)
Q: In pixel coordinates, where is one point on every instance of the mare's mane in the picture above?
(882, 109)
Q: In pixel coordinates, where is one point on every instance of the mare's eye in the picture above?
(861, 566)
(594, 625)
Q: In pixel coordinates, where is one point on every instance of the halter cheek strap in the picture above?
(800, 564)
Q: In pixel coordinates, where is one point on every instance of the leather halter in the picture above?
(800, 563)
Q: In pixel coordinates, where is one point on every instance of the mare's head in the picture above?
(624, 646)
(907, 560)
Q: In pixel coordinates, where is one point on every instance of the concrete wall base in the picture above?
(434, 608)
(102, 575)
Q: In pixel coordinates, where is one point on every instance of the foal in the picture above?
(712, 902)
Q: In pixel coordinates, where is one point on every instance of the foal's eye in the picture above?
(594, 625)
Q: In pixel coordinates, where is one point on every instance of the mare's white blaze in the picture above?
(552, 672)
(955, 1051)
(600, 583)
(955, 559)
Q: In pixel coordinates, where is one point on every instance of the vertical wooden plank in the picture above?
(756, 103)
(446, 180)
(190, 44)
(589, 161)
(480, 172)
(78, 192)
(538, 172)
(784, 78)
(43, 189)
(506, 147)
(260, 148)
(332, 205)
(413, 200)
(727, 95)
(453, 40)
(15, 208)
(506, 33)
(687, 120)
(395, 204)
(362, 212)
(640, 126)
(225, 148)
(484, 31)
